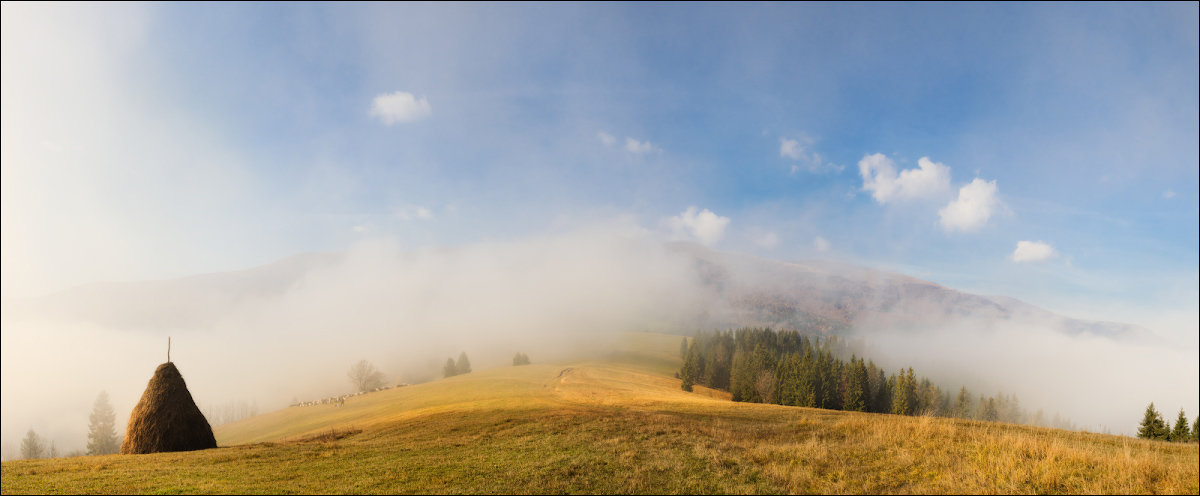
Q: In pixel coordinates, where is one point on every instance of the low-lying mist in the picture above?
(407, 309)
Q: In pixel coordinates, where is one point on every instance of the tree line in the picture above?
(786, 367)
(1154, 427)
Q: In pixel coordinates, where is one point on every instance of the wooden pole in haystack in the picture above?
(168, 349)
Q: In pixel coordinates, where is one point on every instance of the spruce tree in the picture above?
(463, 366)
(1181, 433)
(741, 385)
(962, 409)
(1195, 428)
(788, 380)
(856, 378)
(1152, 426)
(683, 348)
(810, 380)
(449, 370)
(901, 395)
(689, 372)
(102, 432)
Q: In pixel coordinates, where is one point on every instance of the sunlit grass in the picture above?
(617, 425)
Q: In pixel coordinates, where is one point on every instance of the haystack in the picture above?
(166, 418)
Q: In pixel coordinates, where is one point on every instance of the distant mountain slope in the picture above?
(744, 290)
(829, 297)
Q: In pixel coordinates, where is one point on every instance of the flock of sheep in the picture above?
(341, 400)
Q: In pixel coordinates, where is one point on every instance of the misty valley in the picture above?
(600, 248)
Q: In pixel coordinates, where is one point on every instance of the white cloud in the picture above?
(929, 180)
(704, 225)
(606, 138)
(400, 107)
(412, 212)
(790, 148)
(1168, 194)
(973, 207)
(1033, 251)
(765, 239)
(361, 228)
(821, 244)
(640, 147)
(797, 151)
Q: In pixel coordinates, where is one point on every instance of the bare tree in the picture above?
(32, 447)
(765, 386)
(365, 376)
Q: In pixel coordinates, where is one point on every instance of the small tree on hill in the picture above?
(1181, 432)
(32, 447)
(449, 370)
(1153, 426)
(102, 431)
(683, 348)
(521, 359)
(365, 377)
(463, 366)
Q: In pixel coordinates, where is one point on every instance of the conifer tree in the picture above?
(1152, 426)
(1181, 433)
(989, 410)
(1195, 429)
(883, 395)
(683, 348)
(449, 370)
(810, 380)
(962, 409)
(856, 378)
(788, 380)
(463, 366)
(689, 372)
(902, 395)
(741, 384)
(102, 432)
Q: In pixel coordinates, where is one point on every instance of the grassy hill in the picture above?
(616, 425)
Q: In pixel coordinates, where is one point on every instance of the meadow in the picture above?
(617, 424)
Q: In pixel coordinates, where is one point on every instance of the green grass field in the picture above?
(617, 424)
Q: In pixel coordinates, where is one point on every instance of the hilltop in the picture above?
(617, 424)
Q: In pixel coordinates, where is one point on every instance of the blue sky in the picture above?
(152, 141)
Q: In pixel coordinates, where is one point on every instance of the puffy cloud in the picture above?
(973, 207)
(704, 225)
(1168, 194)
(821, 244)
(640, 147)
(1033, 251)
(412, 212)
(606, 138)
(929, 179)
(400, 107)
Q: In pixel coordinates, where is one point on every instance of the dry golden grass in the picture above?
(618, 425)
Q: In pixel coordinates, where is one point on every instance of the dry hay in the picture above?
(166, 418)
